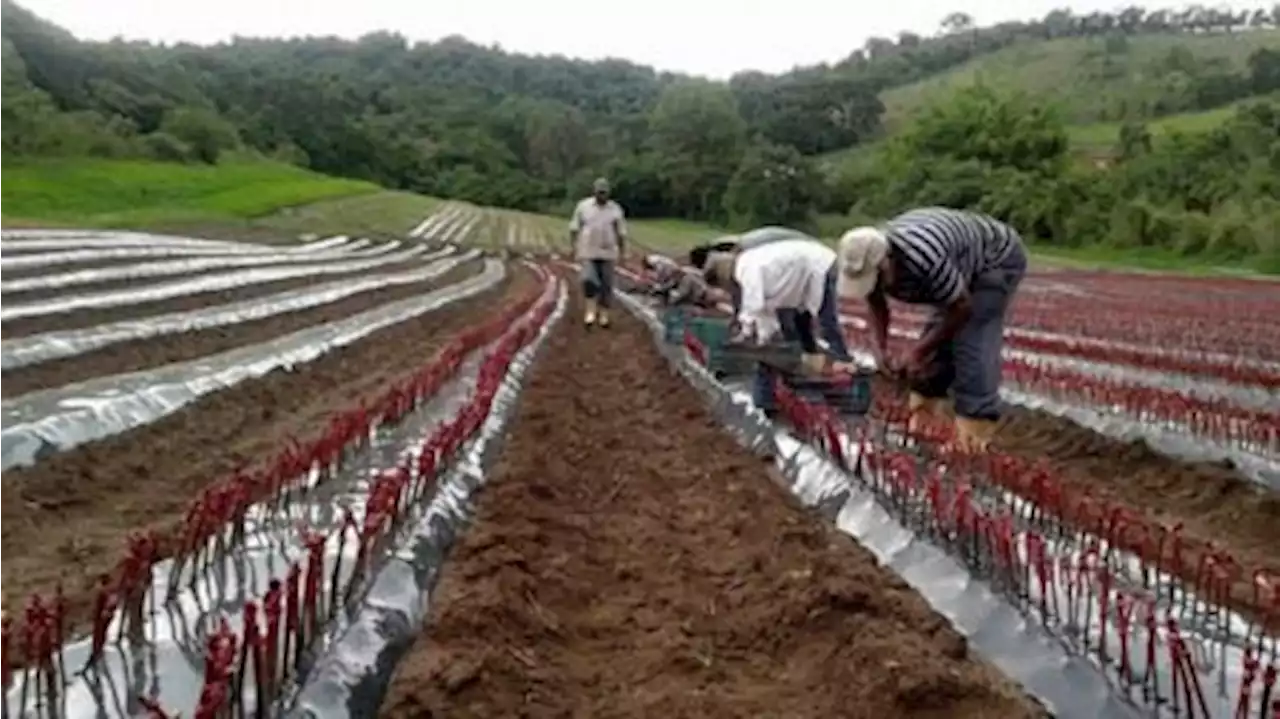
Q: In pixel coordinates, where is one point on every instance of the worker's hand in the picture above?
(919, 363)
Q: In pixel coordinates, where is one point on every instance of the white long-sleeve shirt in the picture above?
(784, 274)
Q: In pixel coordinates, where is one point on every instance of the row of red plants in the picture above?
(215, 523)
(1009, 519)
(1219, 420)
(247, 672)
(1157, 359)
(1247, 336)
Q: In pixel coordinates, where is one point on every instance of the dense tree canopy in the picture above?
(455, 119)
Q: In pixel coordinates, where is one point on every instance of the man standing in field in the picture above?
(967, 267)
(784, 286)
(598, 231)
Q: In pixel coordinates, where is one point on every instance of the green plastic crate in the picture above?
(673, 319)
(713, 333)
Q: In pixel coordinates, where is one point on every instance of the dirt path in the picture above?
(66, 519)
(629, 560)
(91, 317)
(157, 351)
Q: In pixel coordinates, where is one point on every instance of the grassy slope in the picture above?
(1069, 72)
(140, 194)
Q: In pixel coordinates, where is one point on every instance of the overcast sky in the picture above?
(706, 37)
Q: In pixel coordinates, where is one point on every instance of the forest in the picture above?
(457, 120)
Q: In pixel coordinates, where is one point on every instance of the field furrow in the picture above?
(629, 559)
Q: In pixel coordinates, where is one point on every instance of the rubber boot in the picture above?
(602, 317)
(974, 436)
(590, 317)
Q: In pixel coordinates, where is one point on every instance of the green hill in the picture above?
(1098, 79)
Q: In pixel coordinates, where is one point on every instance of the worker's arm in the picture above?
(749, 275)
(956, 308)
(575, 227)
(878, 305)
(620, 231)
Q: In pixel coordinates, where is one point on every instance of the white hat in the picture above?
(859, 255)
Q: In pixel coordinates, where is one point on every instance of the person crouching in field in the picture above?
(967, 267)
(676, 285)
(598, 232)
(783, 286)
(745, 241)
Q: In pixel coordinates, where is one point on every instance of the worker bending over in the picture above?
(784, 286)
(598, 232)
(967, 267)
(676, 285)
(745, 241)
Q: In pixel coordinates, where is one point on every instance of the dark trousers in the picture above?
(970, 364)
(828, 325)
(597, 281)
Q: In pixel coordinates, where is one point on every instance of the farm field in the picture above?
(392, 473)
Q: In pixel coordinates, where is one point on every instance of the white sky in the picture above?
(706, 37)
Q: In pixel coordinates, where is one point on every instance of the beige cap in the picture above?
(859, 255)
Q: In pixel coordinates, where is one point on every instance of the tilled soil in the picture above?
(154, 352)
(66, 519)
(91, 317)
(628, 559)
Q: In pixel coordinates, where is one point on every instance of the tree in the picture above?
(204, 132)
(698, 136)
(773, 185)
(957, 22)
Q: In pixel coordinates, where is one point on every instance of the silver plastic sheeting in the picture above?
(171, 662)
(429, 226)
(91, 239)
(206, 283)
(1068, 685)
(50, 259)
(34, 349)
(41, 423)
(185, 266)
(351, 678)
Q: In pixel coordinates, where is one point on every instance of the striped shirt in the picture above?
(937, 253)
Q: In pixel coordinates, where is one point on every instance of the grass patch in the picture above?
(1089, 78)
(143, 195)
(376, 213)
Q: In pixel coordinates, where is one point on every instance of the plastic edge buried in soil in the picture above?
(1068, 685)
(352, 677)
(45, 422)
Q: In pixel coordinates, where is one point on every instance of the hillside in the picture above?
(1100, 79)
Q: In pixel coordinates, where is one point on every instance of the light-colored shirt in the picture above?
(600, 229)
(937, 252)
(783, 274)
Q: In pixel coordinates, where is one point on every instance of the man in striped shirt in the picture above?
(967, 267)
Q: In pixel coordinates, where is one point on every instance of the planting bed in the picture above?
(629, 559)
(68, 517)
(152, 352)
(90, 317)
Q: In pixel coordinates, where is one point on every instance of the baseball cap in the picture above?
(858, 256)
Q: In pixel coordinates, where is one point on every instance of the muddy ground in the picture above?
(91, 317)
(156, 351)
(630, 560)
(66, 519)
